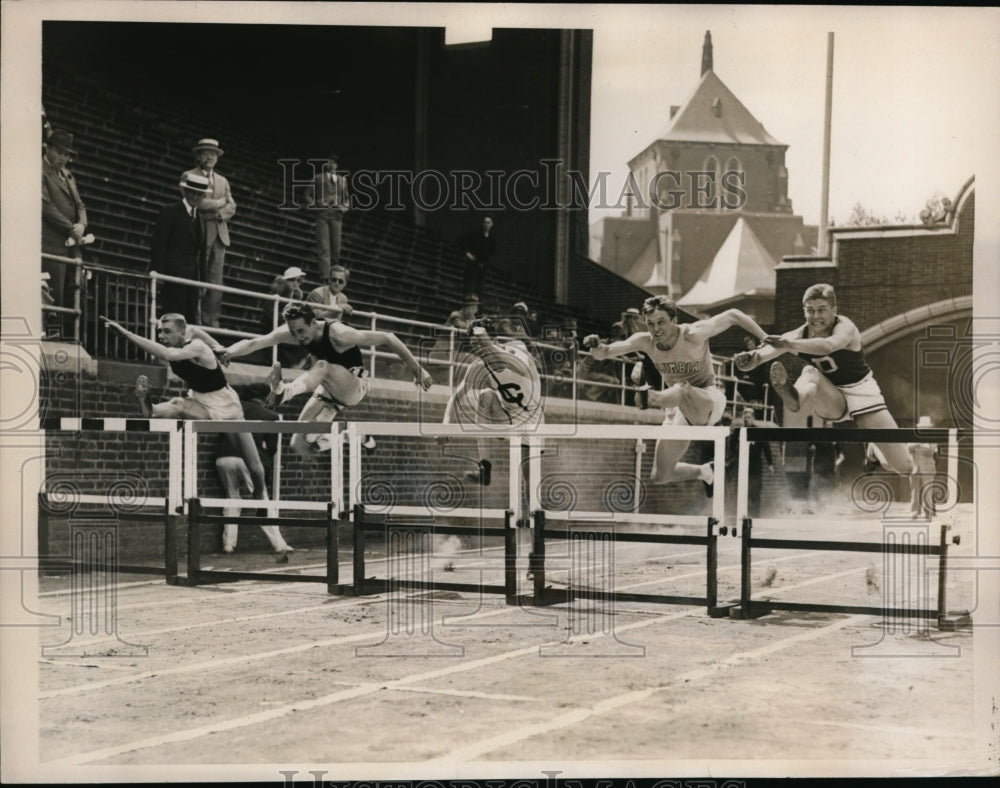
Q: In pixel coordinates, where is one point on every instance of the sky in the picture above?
(915, 93)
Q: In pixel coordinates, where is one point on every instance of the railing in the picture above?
(58, 309)
(131, 300)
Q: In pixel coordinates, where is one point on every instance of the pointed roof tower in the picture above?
(742, 266)
(713, 113)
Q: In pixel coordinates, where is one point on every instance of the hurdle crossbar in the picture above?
(363, 585)
(170, 503)
(748, 608)
(275, 503)
(196, 575)
(544, 595)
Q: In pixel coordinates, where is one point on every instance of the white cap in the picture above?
(293, 273)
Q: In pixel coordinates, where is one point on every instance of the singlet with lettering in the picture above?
(512, 373)
(685, 361)
(199, 378)
(323, 349)
(841, 367)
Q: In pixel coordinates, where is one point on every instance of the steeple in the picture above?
(706, 53)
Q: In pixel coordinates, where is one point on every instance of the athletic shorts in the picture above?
(862, 397)
(222, 404)
(718, 396)
(330, 408)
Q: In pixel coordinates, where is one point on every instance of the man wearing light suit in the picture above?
(64, 215)
(178, 249)
(216, 209)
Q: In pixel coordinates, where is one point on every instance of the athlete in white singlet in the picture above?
(683, 358)
(501, 389)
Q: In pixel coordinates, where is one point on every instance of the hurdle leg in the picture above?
(359, 550)
(509, 558)
(955, 619)
(332, 564)
(712, 567)
(170, 545)
(747, 608)
(536, 561)
(194, 542)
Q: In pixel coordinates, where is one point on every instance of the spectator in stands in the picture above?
(332, 293)
(46, 127)
(296, 278)
(215, 211)
(527, 317)
(462, 319)
(332, 201)
(177, 248)
(233, 471)
(292, 356)
(478, 248)
(64, 218)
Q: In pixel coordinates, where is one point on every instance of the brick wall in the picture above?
(878, 277)
(580, 474)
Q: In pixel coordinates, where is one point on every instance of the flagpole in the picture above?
(824, 210)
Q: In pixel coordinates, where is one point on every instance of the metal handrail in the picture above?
(454, 365)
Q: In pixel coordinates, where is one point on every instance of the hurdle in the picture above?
(198, 519)
(589, 530)
(403, 526)
(53, 491)
(904, 540)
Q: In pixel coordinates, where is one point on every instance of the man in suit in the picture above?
(332, 201)
(478, 248)
(177, 248)
(216, 209)
(64, 216)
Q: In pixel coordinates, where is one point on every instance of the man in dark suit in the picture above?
(178, 248)
(64, 216)
(216, 210)
(478, 248)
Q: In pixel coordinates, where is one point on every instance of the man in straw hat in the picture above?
(215, 211)
(177, 248)
(64, 216)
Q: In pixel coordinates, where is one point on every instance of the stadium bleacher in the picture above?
(131, 152)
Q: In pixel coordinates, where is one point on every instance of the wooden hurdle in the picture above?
(900, 544)
(171, 504)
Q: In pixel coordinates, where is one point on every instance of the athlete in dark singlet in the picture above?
(209, 397)
(838, 384)
(337, 379)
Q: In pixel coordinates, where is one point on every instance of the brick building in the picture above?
(712, 173)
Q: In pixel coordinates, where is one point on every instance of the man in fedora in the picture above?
(64, 216)
(332, 202)
(216, 209)
(177, 248)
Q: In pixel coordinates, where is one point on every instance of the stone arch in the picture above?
(898, 326)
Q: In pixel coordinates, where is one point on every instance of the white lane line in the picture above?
(478, 749)
(892, 729)
(219, 622)
(242, 659)
(468, 694)
(316, 703)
